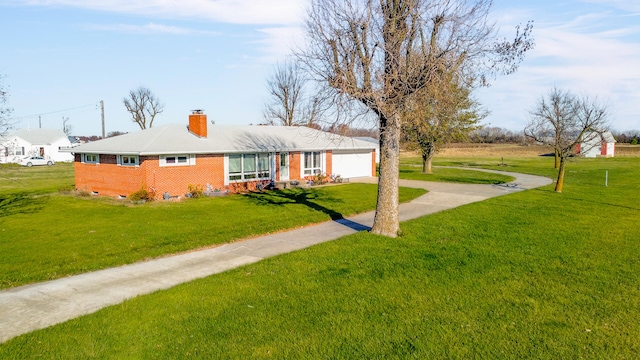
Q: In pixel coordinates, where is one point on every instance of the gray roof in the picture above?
(39, 136)
(608, 137)
(176, 139)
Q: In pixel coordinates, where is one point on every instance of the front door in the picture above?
(284, 166)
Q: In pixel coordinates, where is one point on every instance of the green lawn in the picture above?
(533, 274)
(49, 236)
(443, 174)
(35, 180)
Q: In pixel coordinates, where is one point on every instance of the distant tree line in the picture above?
(496, 135)
(627, 137)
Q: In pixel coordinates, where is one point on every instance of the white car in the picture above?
(35, 160)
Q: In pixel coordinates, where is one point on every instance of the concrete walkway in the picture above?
(37, 306)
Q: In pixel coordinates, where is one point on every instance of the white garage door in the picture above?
(350, 164)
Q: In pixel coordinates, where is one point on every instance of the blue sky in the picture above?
(61, 57)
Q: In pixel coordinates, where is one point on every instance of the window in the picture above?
(177, 160)
(312, 163)
(263, 166)
(18, 151)
(248, 167)
(91, 158)
(128, 160)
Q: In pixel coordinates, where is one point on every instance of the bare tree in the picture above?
(563, 121)
(5, 111)
(143, 106)
(289, 104)
(438, 115)
(379, 53)
(66, 127)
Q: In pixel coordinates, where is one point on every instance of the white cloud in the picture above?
(590, 53)
(280, 41)
(152, 28)
(229, 11)
(624, 5)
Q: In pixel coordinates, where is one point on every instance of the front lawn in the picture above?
(443, 174)
(533, 274)
(51, 236)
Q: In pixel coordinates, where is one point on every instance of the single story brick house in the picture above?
(48, 143)
(171, 158)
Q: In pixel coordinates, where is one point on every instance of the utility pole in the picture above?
(39, 122)
(102, 108)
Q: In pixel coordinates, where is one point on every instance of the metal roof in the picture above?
(176, 139)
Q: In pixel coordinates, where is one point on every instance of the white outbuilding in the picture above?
(597, 144)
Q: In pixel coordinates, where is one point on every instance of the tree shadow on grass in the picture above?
(306, 197)
(20, 203)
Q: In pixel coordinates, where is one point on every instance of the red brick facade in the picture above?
(110, 179)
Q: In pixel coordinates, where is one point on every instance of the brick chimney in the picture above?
(198, 123)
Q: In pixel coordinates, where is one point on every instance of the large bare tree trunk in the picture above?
(560, 180)
(386, 221)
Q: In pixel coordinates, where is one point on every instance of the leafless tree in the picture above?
(66, 127)
(379, 53)
(5, 111)
(564, 120)
(143, 106)
(438, 115)
(289, 104)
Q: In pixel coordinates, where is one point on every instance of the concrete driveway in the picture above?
(37, 306)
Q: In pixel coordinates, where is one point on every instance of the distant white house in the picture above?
(43, 142)
(597, 144)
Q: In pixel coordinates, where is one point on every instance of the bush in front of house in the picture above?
(195, 191)
(142, 195)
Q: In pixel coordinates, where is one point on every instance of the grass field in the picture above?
(51, 236)
(534, 274)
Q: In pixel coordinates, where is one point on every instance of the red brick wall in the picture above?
(294, 165)
(329, 165)
(175, 180)
(107, 178)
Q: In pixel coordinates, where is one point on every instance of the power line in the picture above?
(54, 112)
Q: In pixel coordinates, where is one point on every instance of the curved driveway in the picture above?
(31, 307)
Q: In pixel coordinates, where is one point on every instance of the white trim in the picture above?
(177, 160)
(248, 176)
(226, 169)
(126, 160)
(93, 160)
(315, 167)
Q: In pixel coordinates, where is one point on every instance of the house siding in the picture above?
(208, 169)
(294, 165)
(329, 162)
(107, 178)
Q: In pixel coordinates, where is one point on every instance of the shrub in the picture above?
(634, 141)
(142, 195)
(320, 179)
(196, 191)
